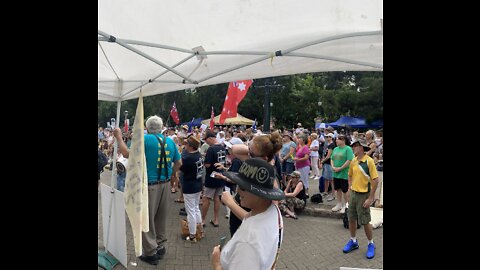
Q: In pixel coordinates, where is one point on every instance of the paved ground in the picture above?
(311, 242)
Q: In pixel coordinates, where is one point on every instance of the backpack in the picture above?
(102, 161)
(316, 198)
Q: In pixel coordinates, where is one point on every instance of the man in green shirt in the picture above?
(340, 161)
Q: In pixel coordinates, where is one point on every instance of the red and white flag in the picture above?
(126, 124)
(236, 92)
(174, 114)
(212, 120)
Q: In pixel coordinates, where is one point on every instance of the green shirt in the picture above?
(339, 156)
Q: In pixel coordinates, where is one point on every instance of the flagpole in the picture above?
(166, 122)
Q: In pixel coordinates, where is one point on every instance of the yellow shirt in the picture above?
(359, 180)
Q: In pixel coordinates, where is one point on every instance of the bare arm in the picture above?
(340, 168)
(329, 153)
(372, 146)
(297, 190)
(176, 167)
(240, 151)
(216, 258)
(228, 200)
(371, 197)
(122, 147)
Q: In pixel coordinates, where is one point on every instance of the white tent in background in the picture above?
(169, 45)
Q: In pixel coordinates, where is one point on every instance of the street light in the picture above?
(270, 84)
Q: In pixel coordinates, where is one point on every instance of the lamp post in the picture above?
(269, 84)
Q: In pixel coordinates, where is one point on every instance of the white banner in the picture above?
(136, 188)
(114, 231)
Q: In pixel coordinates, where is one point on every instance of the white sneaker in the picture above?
(316, 178)
(342, 211)
(337, 207)
(330, 198)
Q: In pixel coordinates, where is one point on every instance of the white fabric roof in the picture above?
(239, 39)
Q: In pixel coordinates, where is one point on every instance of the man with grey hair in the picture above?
(160, 152)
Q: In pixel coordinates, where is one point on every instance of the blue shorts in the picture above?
(327, 172)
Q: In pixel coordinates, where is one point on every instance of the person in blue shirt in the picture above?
(161, 168)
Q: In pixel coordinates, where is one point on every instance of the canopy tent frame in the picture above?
(290, 52)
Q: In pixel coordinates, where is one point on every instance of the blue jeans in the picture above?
(287, 167)
(121, 181)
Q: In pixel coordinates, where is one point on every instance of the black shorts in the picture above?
(340, 183)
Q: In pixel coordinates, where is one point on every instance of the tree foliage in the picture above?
(295, 98)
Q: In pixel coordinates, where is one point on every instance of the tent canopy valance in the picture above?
(239, 120)
(170, 45)
(354, 122)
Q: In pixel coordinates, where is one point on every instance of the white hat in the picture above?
(330, 135)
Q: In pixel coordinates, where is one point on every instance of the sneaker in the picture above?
(161, 250)
(342, 211)
(153, 260)
(316, 178)
(191, 239)
(330, 198)
(371, 250)
(350, 246)
(337, 207)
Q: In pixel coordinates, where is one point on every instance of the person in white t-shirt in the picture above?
(314, 156)
(256, 243)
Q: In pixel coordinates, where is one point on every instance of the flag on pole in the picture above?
(174, 114)
(236, 92)
(126, 124)
(191, 125)
(212, 120)
(136, 188)
(254, 126)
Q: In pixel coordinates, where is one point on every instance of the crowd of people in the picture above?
(260, 178)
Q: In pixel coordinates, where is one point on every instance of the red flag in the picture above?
(212, 121)
(236, 92)
(174, 114)
(126, 124)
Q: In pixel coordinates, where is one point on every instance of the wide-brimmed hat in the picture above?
(193, 142)
(330, 128)
(295, 174)
(185, 127)
(362, 142)
(257, 176)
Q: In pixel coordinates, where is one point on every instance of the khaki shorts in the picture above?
(212, 192)
(356, 211)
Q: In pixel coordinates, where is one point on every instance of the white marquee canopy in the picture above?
(168, 45)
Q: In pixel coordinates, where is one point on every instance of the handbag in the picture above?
(184, 232)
